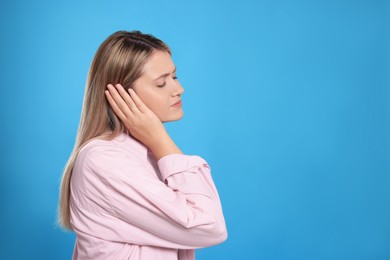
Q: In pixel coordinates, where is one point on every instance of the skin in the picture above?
(144, 109)
(159, 88)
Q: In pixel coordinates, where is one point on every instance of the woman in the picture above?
(127, 191)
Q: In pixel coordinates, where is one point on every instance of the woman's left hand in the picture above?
(142, 123)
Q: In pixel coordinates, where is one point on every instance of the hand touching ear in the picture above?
(142, 123)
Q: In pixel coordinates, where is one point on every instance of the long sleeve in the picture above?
(122, 200)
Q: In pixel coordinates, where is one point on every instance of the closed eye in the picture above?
(160, 86)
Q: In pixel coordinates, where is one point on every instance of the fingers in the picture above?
(114, 106)
(122, 100)
(138, 102)
(118, 104)
(125, 96)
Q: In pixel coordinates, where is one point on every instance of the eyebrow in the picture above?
(164, 75)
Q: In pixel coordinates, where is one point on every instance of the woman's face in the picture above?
(159, 88)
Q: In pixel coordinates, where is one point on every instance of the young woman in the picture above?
(128, 192)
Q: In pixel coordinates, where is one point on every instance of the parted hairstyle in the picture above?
(119, 59)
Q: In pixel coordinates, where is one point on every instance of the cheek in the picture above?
(156, 102)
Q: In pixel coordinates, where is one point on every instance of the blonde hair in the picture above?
(119, 59)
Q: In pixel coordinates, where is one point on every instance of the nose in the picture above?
(179, 90)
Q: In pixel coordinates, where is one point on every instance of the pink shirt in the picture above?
(126, 205)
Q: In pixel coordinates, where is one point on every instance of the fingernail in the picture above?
(118, 85)
(109, 86)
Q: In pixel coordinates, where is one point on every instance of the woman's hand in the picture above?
(142, 123)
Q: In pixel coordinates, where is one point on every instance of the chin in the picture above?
(172, 118)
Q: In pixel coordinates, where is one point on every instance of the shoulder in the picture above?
(100, 161)
(97, 150)
(99, 146)
(107, 154)
(118, 147)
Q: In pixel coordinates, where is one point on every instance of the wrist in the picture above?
(164, 146)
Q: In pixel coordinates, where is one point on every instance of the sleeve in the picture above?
(182, 212)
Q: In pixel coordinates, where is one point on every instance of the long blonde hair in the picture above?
(119, 59)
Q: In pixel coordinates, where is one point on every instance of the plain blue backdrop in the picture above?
(289, 102)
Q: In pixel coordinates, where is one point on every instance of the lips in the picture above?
(177, 104)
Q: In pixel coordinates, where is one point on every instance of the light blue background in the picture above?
(289, 101)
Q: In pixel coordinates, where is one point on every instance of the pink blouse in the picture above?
(126, 205)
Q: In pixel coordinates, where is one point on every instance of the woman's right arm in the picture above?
(119, 199)
(184, 210)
